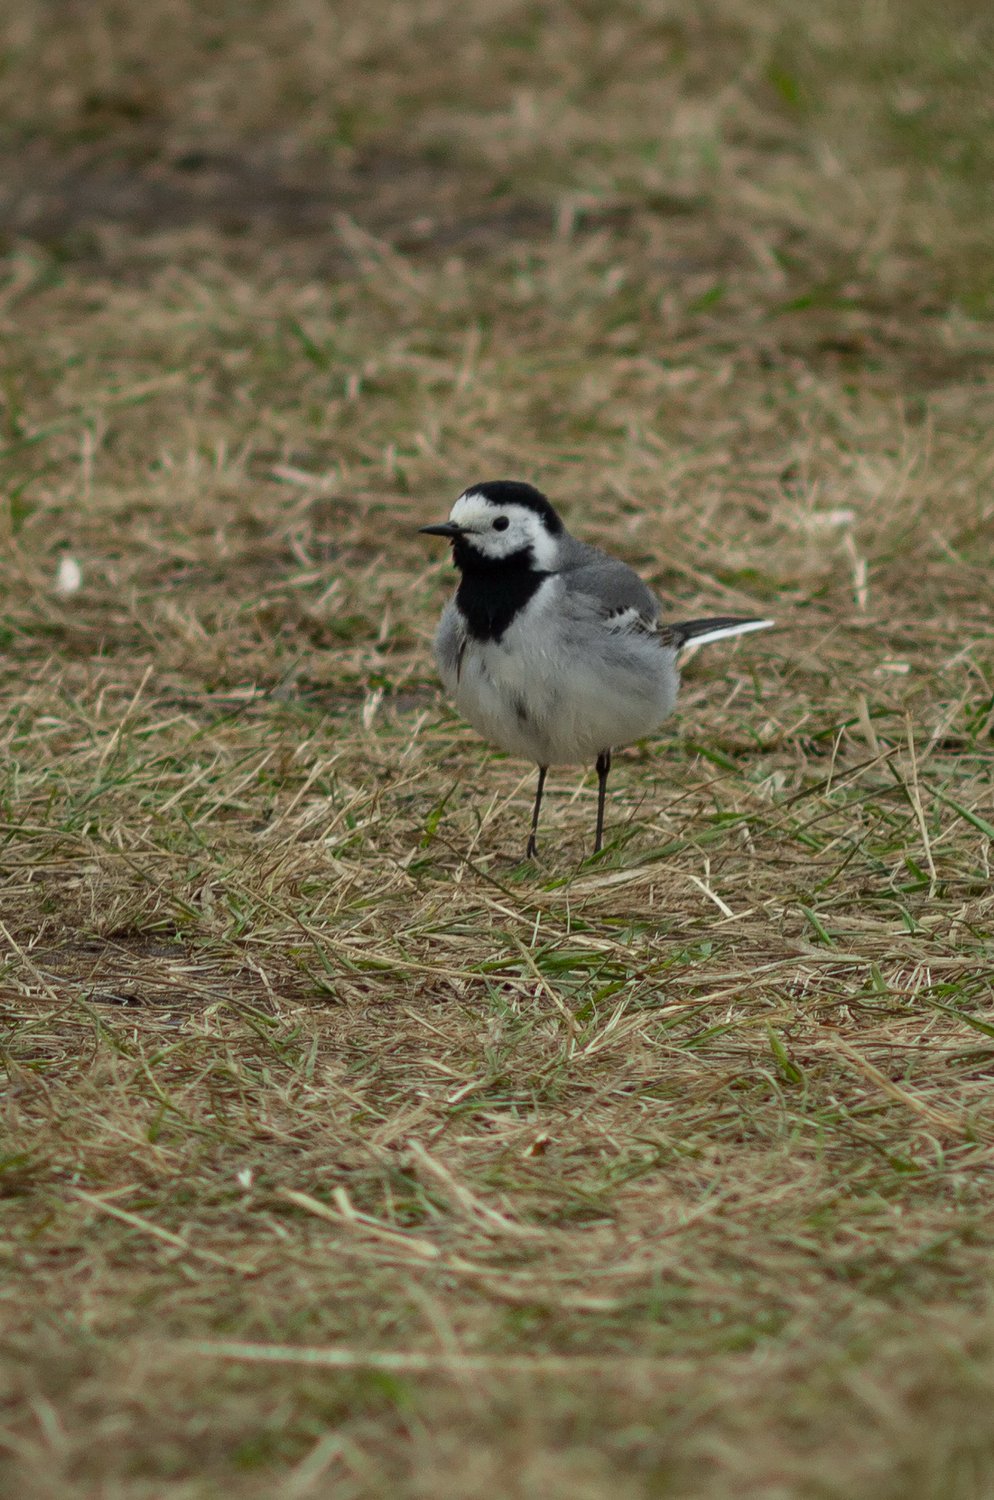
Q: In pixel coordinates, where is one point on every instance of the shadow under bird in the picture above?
(550, 648)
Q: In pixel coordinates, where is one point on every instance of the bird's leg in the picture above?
(532, 849)
(603, 767)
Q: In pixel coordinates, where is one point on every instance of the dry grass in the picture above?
(342, 1155)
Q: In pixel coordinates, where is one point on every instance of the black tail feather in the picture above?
(716, 629)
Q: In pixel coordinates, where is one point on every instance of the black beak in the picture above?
(446, 528)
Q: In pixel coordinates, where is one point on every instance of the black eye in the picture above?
(501, 523)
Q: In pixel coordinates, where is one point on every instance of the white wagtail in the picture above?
(550, 648)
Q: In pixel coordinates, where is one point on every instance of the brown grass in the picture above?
(342, 1154)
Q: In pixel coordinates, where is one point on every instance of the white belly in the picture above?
(560, 694)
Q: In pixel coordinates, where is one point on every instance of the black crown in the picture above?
(516, 492)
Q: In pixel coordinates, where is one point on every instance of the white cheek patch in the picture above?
(545, 548)
(526, 529)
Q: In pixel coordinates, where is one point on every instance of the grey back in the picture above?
(588, 570)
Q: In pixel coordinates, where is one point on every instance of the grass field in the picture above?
(343, 1155)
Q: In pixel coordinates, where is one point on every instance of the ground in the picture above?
(343, 1154)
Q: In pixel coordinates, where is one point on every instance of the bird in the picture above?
(550, 648)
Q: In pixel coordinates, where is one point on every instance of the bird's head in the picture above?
(502, 523)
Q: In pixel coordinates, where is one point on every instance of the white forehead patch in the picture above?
(474, 512)
(525, 528)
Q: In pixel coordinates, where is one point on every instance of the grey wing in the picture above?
(450, 643)
(608, 587)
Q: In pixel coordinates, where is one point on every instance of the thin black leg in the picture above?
(603, 766)
(532, 849)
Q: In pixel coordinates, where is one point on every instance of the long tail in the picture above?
(700, 632)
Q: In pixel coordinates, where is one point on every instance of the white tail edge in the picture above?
(722, 631)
